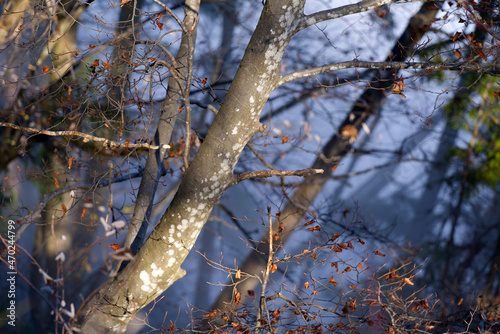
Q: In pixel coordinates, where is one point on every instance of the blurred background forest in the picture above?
(416, 190)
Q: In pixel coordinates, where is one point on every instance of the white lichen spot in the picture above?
(171, 230)
(236, 146)
(171, 262)
(144, 276)
(235, 131)
(252, 100)
(171, 252)
(201, 206)
(183, 225)
(310, 21)
(157, 272)
(194, 235)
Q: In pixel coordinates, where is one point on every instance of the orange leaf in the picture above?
(204, 81)
(70, 162)
(64, 207)
(458, 54)
(56, 183)
(106, 65)
(276, 237)
(127, 142)
(348, 269)
(96, 63)
(238, 274)
(361, 241)
(378, 253)
(360, 265)
(45, 69)
(159, 24)
(124, 2)
(306, 285)
(407, 281)
(342, 246)
(284, 140)
(91, 46)
(114, 246)
(84, 210)
(334, 168)
(349, 244)
(6, 178)
(77, 52)
(460, 302)
(333, 281)
(335, 236)
(274, 267)
(237, 298)
(309, 223)
(210, 315)
(481, 53)
(315, 228)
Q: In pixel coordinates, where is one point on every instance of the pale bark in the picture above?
(158, 262)
(170, 110)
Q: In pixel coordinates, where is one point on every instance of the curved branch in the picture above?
(86, 137)
(381, 65)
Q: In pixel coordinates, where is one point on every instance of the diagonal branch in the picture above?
(384, 65)
(86, 137)
(335, 13)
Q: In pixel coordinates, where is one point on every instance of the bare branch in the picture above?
(77, 186)
(265, 278)
(492, 69)
(86, 137)
(335, 13)
(268, 173)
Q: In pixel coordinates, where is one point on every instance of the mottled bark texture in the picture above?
(157, 264)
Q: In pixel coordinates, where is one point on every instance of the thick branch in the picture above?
(381, 65)
(86, 137)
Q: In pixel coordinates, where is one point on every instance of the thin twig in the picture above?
(265, 277)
